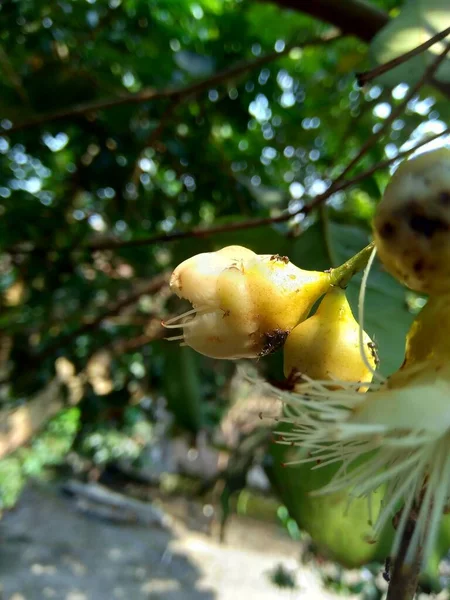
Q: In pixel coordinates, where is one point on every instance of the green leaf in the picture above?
(309, 250)
(418, 21)
(181, 381)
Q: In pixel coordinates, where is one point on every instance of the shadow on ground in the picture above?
(49, 550)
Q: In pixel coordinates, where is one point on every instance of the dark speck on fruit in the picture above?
(426, 226)
(273, 340)
(444, 198)
(387, 230)
(284, 259)
(418, 266)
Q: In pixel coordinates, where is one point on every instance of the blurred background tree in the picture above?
(135, 133)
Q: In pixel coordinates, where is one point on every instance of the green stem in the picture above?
(341, 275)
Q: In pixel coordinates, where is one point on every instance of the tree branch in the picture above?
(155, 332)
(18, 425)
(203, 232)
(174, 93)
(368, 76)
(153, 286)
(200, 232)
(374, 138)
(352, 17)
(339, 184)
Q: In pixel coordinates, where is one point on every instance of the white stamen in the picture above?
(439, 501)
(329, 427)
(395, 498)
(193, 311)
(189, 323)
(402, 523)
(178, 317)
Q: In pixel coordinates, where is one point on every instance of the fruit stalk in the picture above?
(341, 276)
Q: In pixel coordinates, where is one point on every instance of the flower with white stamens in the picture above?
(397, 435)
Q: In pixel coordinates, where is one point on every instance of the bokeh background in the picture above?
(134, 134)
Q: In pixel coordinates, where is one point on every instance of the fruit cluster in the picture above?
(396, 437)
(247, 305)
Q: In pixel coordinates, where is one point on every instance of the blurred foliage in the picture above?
(417, 20)
(282, 578)
(49, 448)
(252, 143)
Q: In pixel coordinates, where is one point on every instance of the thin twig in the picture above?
(153, 286)
(203, 232)
(355, 17)
(152, 94)
(374, 138)
(199, 232)
(367, 76)
(13, 77)
(153, 137)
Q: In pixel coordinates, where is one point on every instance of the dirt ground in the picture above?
(48, 549)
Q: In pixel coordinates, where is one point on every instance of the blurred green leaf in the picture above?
(48, 448)
(418, 21)
(182, 386)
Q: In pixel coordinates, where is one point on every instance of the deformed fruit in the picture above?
(412, 223)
